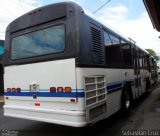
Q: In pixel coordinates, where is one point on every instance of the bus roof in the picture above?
(36, 17)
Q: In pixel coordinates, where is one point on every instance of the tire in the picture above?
(126, 103)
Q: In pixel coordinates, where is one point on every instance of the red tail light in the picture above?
(52, 89)
(60, 89)
(9, 90)
(72, 100)
(37, 104)
(14, 90)
(19, 90)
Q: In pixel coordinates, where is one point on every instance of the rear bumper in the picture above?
(62, 117)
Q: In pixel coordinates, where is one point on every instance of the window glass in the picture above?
(136, 60)
(112, 50)
(37, 43)
(126, 53)
(145, 61)
(107, 40)
(115, 40)
(141, 59)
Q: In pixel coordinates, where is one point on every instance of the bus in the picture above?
(63, 66)
(154, 70)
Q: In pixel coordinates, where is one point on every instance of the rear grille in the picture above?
(89, 80)
(91, 101)
(95, 91)
(97, 111)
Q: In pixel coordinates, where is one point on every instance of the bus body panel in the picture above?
(51, 108)
(74, 118)
(47, 74)
(115, 79)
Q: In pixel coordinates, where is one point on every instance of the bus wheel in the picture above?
(126, 101)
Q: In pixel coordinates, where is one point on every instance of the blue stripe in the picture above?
(114, 86)
(46, 94)
(117, 85)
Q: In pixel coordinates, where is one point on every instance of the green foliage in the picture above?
(152, 53)
(156, 57)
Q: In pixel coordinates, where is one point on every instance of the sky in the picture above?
(128, 17)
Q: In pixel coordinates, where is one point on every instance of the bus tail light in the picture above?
(18, 90)
(68, 89)
(9, 90)
(72, 100)
(52, 89)
(60, 89)
(37, 104)
(14, 90)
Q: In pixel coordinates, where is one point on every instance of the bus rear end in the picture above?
(40, 67)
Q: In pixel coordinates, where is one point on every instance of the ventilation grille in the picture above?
(97, 111)
(97, 47)
(95, 91)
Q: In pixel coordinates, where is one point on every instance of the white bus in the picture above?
(64, 67)
(154, 70)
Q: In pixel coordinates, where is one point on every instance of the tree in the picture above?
(152, 53)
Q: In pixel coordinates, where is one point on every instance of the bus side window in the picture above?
(140, 59)
(147, 63)
(143, 61)
(126, 54)
(112, 50)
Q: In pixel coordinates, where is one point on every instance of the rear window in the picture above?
(42, 42)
